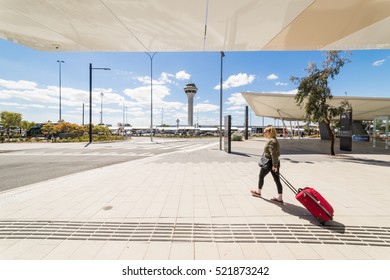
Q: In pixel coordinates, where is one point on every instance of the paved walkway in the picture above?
(195, 205)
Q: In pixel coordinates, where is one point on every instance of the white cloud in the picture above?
(165, 78)
(272, 77)
(20, 105)
(182, 75)
(235, 108)
(378, 62)
(40, 104)
(142, 94)
(294, 91)
(233, 81)
(281, 84)
(205, 107)
(122, 74)
(49, 96)
(144, 80)
(171, 105)
(236, 99)
(18, 85)
(44, 95)
(139, 105)
(136, 111)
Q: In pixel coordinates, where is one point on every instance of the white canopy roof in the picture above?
(280, 105)
(195, 25)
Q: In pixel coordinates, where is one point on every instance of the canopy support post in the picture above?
(284, 125)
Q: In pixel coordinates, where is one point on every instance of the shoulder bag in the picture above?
(264, 162)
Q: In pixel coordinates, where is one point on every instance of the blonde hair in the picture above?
(271, 130)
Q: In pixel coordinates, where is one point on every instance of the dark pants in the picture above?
(275, 175)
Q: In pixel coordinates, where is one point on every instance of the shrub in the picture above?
(236, 136)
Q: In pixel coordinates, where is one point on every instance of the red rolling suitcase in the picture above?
(314, 202)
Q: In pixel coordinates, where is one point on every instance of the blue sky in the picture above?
(29, 83)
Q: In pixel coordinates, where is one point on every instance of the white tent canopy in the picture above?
(194, 25)
(279, 105)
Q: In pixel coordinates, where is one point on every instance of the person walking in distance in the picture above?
(272, 152)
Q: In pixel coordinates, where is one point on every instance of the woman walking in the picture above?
(272, 152)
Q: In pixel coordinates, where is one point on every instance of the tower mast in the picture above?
(190, 90)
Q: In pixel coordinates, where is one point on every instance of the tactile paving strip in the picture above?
(188, 232)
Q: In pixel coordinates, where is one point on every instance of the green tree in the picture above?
(26, 125)
(49, 129)
(71, 128)
(10, 121)
(314, 92)
(101, 130)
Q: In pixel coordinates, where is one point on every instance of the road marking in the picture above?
(121, 150)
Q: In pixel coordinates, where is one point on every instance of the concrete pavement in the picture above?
(195, 204)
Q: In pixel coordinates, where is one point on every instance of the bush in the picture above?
(236, 136)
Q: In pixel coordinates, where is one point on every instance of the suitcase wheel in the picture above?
(321, 221)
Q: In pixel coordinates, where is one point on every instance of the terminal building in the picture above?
(371, 109)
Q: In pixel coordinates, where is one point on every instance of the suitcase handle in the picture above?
(288, 184)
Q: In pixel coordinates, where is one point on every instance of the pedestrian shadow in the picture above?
(241, 154)
(368, 161)
(295, 161)
(303, 213)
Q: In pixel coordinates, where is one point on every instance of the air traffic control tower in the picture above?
(190, 90)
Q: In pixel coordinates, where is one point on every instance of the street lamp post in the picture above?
(123, 119)
(60, 105)
(126, 116)
(101, 108)
(220, 104)
(197, 117)
(151, 94)
(83, 114)
(82, 123)
(90, 98)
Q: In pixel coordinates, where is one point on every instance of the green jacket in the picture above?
(272, 151)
